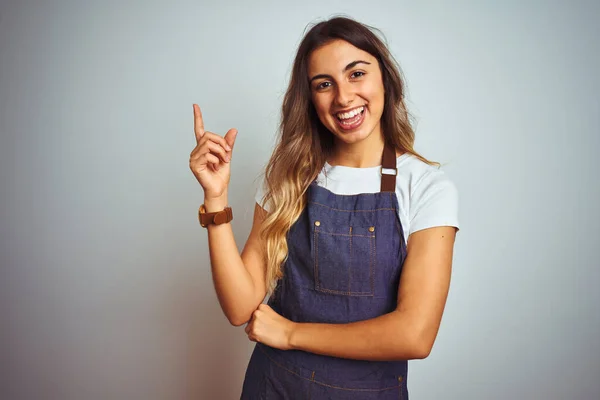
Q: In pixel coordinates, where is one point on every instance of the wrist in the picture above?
(293, 336)
(214, 204)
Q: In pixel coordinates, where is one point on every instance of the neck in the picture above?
(363, 154)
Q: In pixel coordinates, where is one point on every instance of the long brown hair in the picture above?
(304, 143)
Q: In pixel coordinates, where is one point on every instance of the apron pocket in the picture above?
(344, 259)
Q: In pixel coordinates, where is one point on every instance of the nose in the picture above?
(345, 94)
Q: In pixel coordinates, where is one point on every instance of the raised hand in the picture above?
(210, 161)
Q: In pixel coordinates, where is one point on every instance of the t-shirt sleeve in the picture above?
(434, 202)
(260, 192)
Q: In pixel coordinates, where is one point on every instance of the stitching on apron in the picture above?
(400, 392)
(345, 234)
(350, 266)
(366, 294)
(371, 262)
(338, 209)
(315, 240)
(323, 383)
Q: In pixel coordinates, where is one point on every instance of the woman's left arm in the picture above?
(406, 333)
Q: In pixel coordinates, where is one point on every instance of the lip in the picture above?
(355, 125)
(347, 110)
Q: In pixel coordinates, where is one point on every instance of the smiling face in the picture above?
(347, 91)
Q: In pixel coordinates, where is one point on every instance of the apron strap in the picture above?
(388, 180)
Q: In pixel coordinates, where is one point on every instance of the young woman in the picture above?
(353, 231)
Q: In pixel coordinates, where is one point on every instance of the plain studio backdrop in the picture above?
(105, 286)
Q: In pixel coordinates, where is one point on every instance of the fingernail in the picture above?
(228, 147)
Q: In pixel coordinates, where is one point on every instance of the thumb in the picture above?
(230, 137)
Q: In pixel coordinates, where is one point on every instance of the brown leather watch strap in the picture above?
(388, 181)
(214, 218)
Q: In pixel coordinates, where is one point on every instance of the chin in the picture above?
(351, 137)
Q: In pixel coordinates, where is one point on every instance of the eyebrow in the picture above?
(349, 66)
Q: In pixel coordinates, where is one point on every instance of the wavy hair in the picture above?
(304, 144)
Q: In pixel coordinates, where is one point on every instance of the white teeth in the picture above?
(351, 113)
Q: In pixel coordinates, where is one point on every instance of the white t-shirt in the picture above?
(426, 196)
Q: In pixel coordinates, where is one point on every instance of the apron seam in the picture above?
(323, 383)
(339, 209)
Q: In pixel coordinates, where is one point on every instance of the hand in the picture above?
(270, 328)
(210, 160)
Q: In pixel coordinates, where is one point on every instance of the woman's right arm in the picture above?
(239, 280)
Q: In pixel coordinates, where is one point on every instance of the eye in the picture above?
(323, 85)
(357, 74)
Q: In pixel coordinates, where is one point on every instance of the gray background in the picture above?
(105, 290)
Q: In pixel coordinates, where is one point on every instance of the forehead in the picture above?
(334, 56)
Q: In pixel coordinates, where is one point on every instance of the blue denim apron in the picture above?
(344, 262)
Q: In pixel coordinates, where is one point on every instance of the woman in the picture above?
(353, 233)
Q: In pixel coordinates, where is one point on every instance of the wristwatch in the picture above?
(214, 218)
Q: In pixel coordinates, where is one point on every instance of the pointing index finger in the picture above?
(198, 123)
